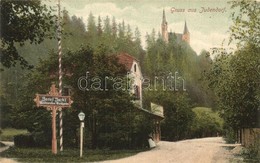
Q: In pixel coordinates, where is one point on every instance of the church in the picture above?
(185, 36)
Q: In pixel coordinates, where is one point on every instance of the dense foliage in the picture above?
(234, 77)
(112, 121)
(15, 32)
(206, 123)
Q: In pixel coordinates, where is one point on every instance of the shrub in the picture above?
(230, 136)
(24, 140)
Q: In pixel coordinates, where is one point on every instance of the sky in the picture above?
(207, 29)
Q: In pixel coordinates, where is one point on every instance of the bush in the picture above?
(24, 140)
(8, 134)
(206, 123)
(229, 135)
(41, 139)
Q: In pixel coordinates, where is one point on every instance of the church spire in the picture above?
(186, 34)
(164, 28)
(185, 28)
(164, 18)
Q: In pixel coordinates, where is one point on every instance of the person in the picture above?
(151, 142)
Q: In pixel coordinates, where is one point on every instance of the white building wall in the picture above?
(137, 77)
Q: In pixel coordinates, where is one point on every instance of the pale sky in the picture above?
(207, 29)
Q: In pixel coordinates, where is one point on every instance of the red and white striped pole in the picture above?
(60, 74)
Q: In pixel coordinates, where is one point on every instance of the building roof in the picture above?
(126, 59)
(177, 35)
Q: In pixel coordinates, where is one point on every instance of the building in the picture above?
(135, 74)
(185, 36)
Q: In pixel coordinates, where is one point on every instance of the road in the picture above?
(206, 150)
(6, 160)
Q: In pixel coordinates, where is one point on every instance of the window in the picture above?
(135, 68)
(137, 92)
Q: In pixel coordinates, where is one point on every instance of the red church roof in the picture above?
(126, 59)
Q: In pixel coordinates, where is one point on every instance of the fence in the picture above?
(248, 136)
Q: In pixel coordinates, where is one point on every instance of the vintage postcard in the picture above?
(130, 81)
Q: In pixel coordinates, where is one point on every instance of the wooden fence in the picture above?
(248, 136)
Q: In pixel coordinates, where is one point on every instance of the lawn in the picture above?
(8, 134)
(68, 155)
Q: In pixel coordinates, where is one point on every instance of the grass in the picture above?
(68, 155)
(8, 134)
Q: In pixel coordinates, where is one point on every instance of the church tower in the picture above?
(186, 34)
(164, 28)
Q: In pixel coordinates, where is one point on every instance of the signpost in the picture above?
(53, 101)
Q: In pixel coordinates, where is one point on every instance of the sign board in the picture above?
(157, 109)
(49, 100)
(53, 101)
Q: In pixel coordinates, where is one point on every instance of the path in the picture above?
(6, 160)
(206, 150)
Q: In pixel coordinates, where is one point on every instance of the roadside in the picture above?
(7, 145)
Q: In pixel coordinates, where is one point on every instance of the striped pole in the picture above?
(60, 74)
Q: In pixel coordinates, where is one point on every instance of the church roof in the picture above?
(177, 35)
(127, 60)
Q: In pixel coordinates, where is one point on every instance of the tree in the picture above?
(235, 78)
(206, 123)
(246, 22)
(23, 21)
(92, 29)
(107, 27)
(112, 119)
(99, 27)
(114, 28)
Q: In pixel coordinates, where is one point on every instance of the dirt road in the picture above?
(206, 150)
(6, 160)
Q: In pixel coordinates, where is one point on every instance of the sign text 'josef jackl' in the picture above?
(48, 100)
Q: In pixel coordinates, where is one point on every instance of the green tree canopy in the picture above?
(246, 22)
(23, 21)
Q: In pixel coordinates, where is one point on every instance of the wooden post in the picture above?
(54, 139)
(53, 101)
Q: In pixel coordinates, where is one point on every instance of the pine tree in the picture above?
(114, 28)
(107, 27)
(99, 27)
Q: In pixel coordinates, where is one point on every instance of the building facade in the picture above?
(135, 75)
